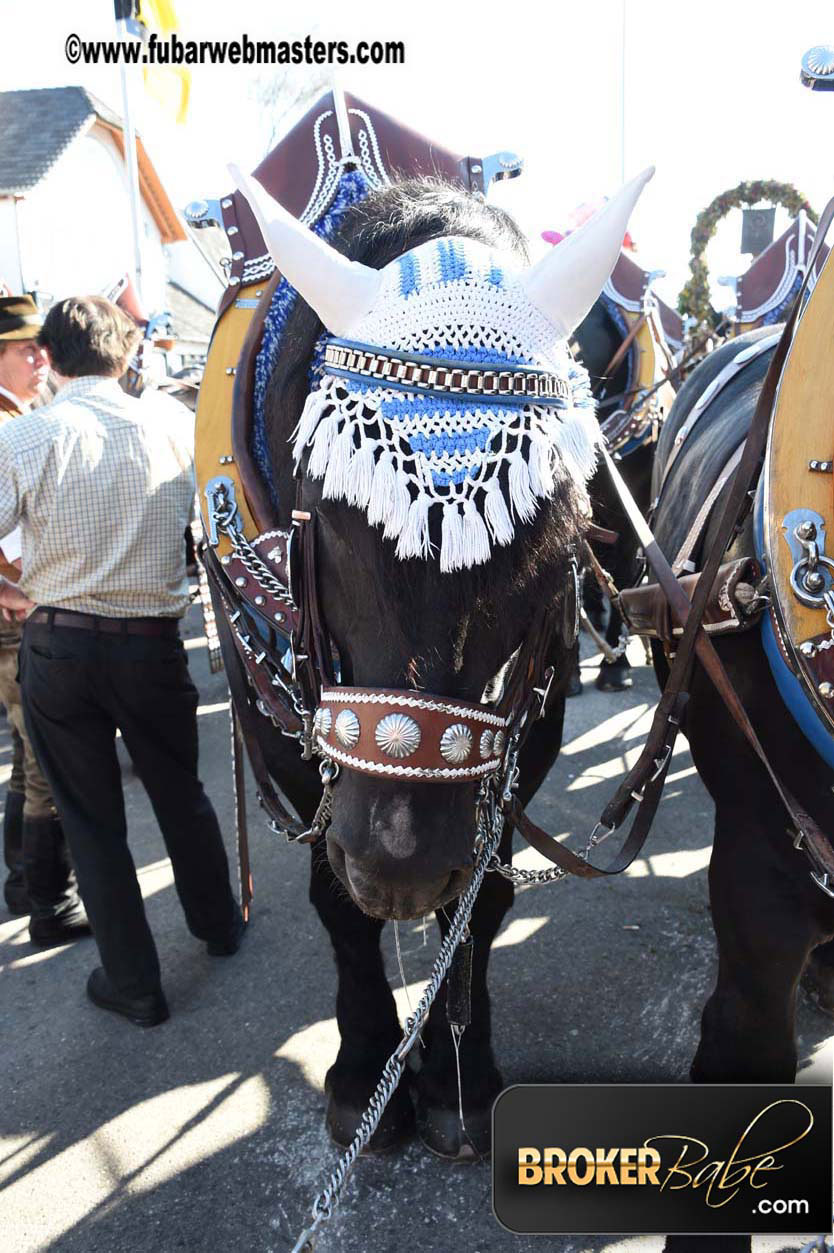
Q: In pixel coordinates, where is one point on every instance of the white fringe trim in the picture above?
(414, 538)
(337, 478)
(362, 475)
(476, 545)
(314, 407)
(366, 472)
(451, 538)
(522, 500)
(497, 514)
(382, 490)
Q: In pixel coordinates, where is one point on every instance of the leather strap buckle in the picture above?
(544, 691)
(660, 764)
(823, 881)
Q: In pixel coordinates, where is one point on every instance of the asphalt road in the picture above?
(206, 1134)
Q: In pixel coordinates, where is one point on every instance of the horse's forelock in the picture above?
(413, 211)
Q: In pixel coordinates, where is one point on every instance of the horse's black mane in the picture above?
(387, 223)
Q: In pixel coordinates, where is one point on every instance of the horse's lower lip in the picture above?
(392, 908)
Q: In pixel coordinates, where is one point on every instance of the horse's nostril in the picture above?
(382, 898)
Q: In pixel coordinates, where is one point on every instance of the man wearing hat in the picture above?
(40, 881)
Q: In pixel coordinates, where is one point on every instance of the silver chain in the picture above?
(225, 515)
(552, 874)
(610, 654)
(252, 562)
(614, 654)
(490, 827)
(226, 519)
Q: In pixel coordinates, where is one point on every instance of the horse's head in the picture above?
(445, 521)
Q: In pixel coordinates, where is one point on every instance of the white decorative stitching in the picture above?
(408, 702)
(327, 173)
(257, 268)
(376, 177)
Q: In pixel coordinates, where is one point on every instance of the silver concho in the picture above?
(323, 721)
(486, 744)
(498, 743)
(346, 729)
(819, 60)
(456, 743)
(397, 735)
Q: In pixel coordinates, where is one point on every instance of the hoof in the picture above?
(442, 1134)
(395, 1127)
(614, 677)
(574, 685)
(818, 984)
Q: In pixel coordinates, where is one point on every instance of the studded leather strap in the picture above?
(409, 734)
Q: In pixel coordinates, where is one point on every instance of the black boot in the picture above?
(14, 889)
(57, 912)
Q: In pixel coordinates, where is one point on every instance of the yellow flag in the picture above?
(158, 15)
(170, 85)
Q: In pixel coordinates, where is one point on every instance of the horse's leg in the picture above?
(766, 923)
(818, 977)
(368, 1024)
(621, 559)
(766, 914)
(438, 1119)
(614, 676)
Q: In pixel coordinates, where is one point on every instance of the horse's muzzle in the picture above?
(382, 895)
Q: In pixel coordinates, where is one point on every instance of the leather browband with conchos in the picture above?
(433, 375)
(409, 735)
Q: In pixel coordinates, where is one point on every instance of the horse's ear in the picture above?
(339, 291)
(567, 281)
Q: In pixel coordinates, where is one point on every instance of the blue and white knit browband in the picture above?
(398, 451)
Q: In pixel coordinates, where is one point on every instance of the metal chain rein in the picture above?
(490, 827)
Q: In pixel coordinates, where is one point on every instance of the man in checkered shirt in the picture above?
(102, 485)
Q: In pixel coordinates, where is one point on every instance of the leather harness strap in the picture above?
(645, 781)
(247, 719)
(239, 783)
(683, 561)
(620, 353)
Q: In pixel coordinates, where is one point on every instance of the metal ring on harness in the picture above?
(799, 581)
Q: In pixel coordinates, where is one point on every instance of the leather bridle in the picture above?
(270, 612)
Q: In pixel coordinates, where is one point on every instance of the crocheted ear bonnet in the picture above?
(447, 385)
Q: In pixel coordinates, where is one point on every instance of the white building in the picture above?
(65, 218)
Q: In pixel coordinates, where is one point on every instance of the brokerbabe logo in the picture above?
(706, 1159)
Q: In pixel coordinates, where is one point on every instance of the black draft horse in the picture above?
(771, 920)
(769, 917)
(597, 339)
(403, 625)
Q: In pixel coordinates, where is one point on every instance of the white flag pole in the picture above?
(623, 95)
(123, 34)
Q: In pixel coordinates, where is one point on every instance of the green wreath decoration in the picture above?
(694, 297)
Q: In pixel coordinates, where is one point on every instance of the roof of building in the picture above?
(192, 319)
(37, 127)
